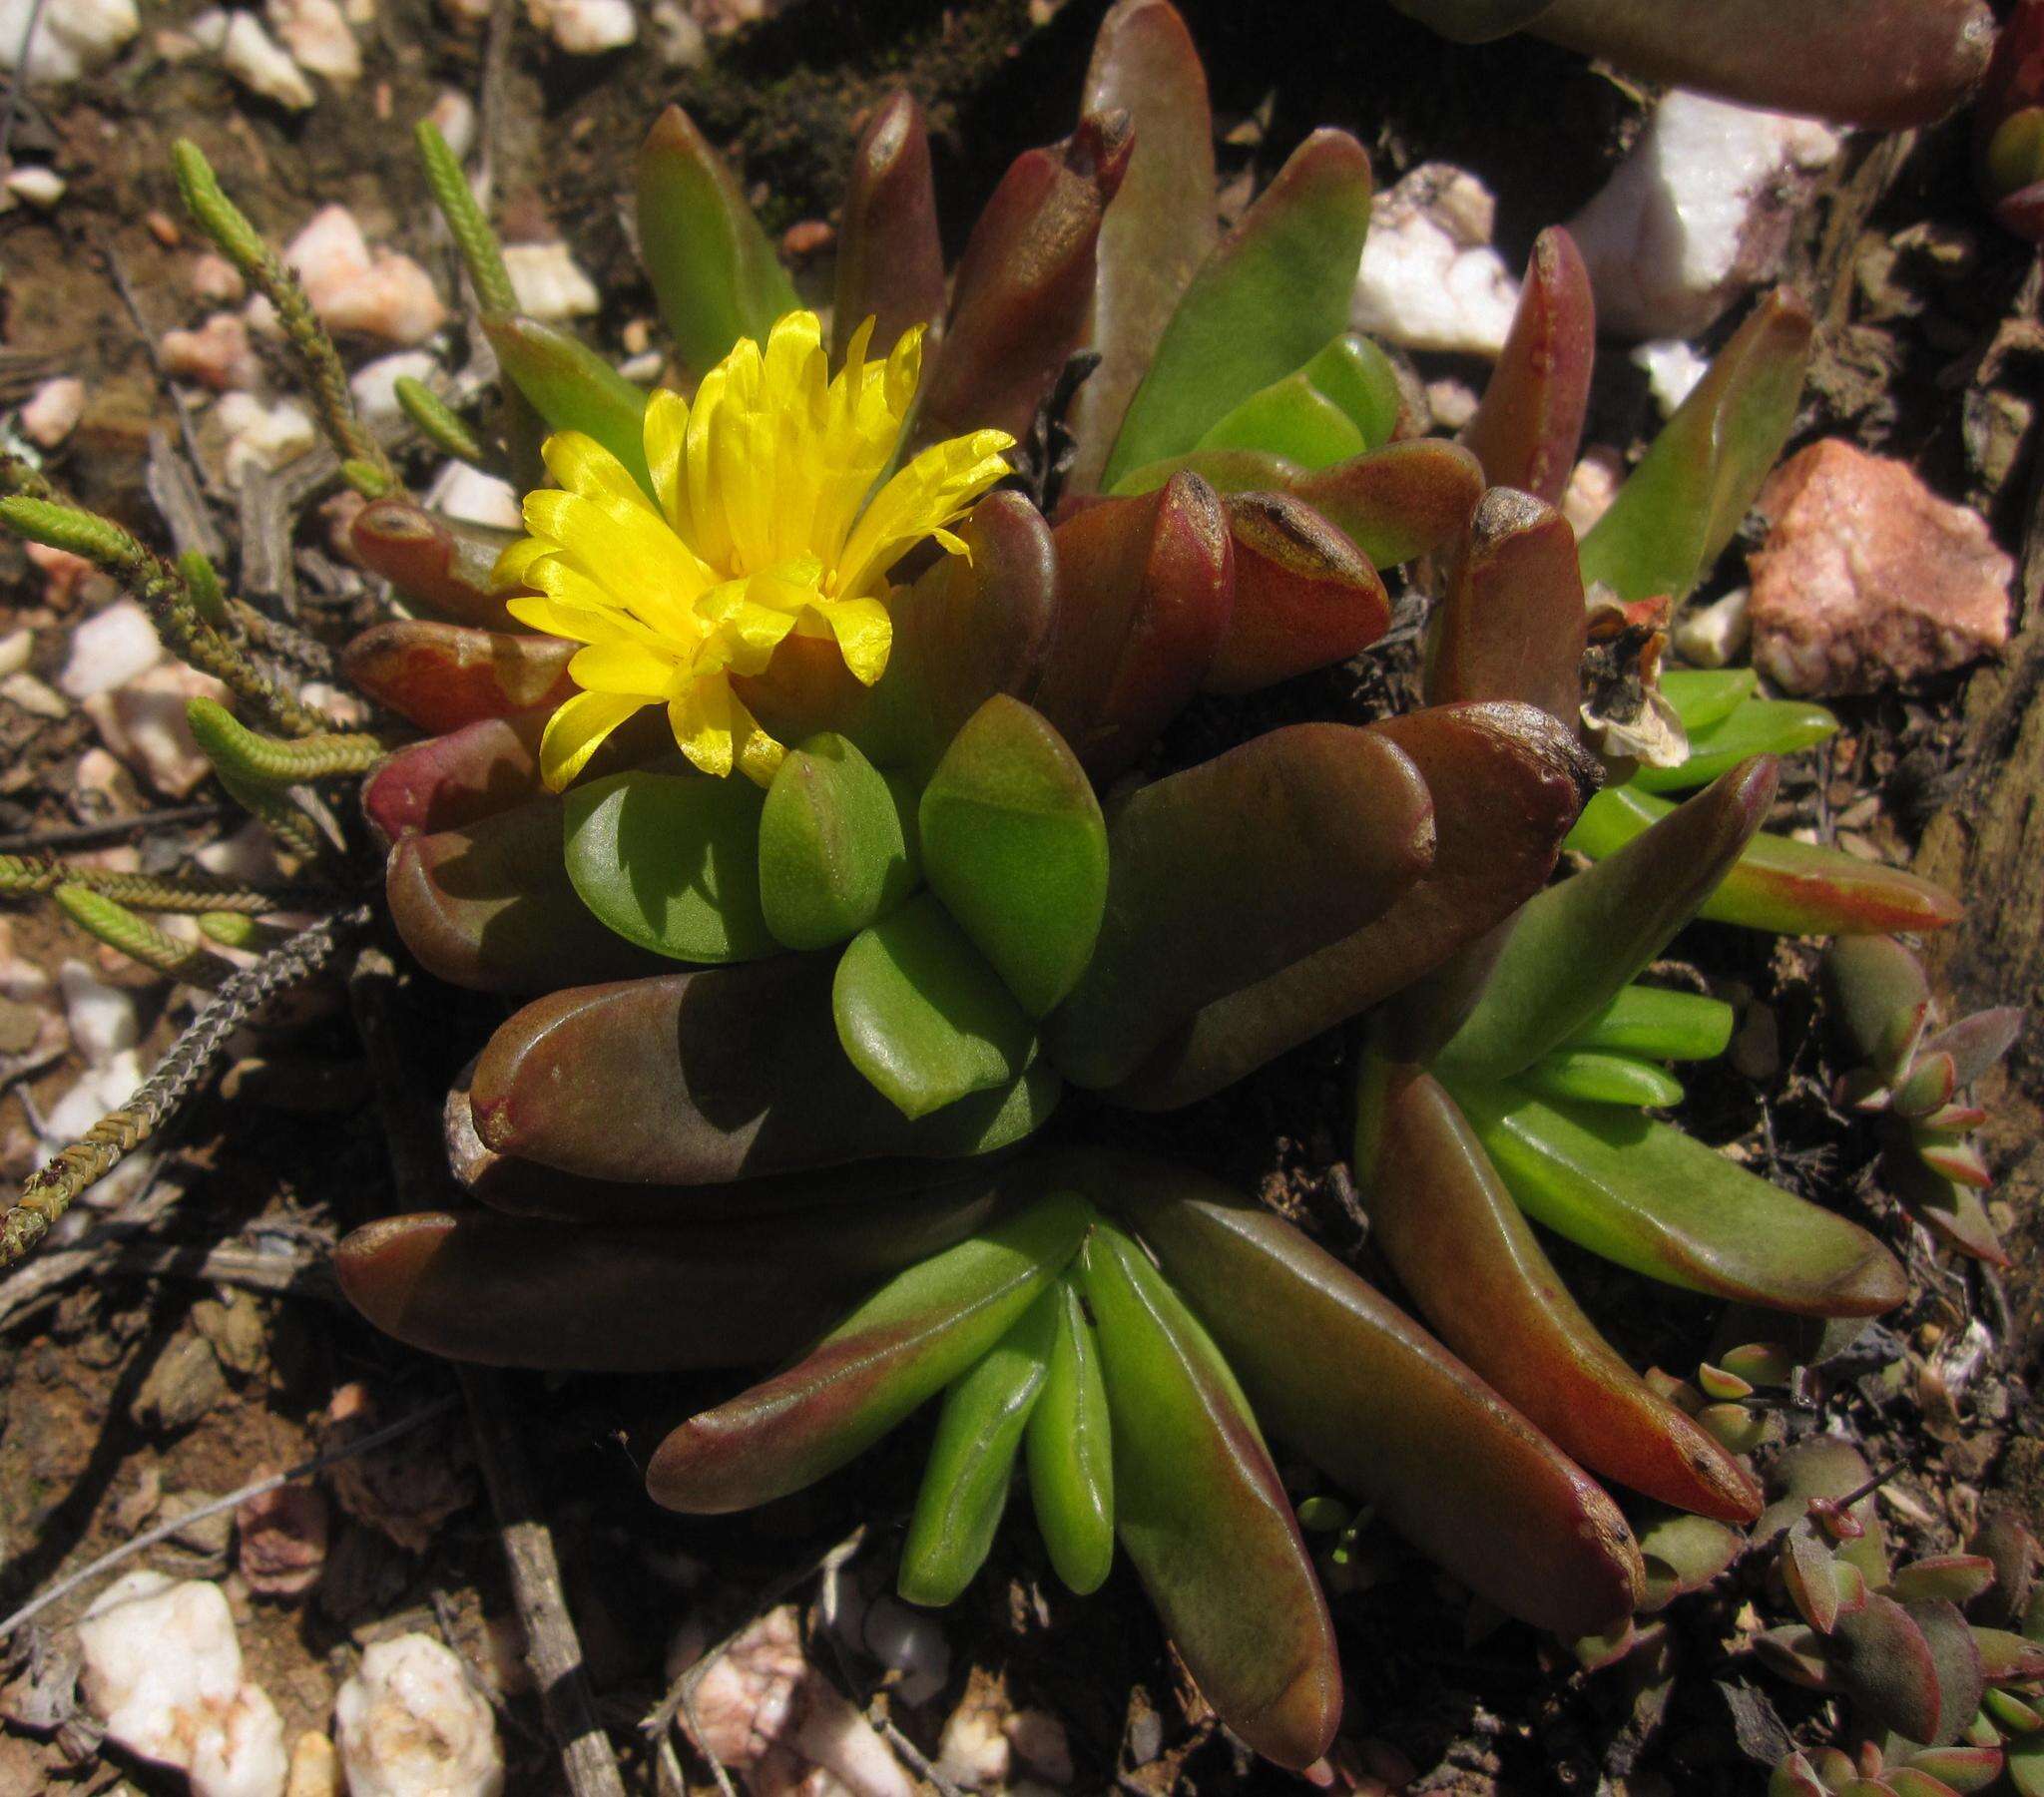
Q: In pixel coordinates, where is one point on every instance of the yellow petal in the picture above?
(666, 431)
(576, 731)
(621, 667)
(581, 465)
(864, 633)
(700, 718)
(514, 566)
(934, 490)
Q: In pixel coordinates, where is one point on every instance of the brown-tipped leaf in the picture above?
(1232, 870)
(1512, 624)
(1305, 596)
(890, 260)
(433, 561)
(1464, 1252)
(1527, 429)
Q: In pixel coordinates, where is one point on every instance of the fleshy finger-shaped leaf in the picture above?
(1512, 624)
(443, 676)
(1161, 225)
(571, 387)
(1879, 999)
(923, 1015)
(1275, 290)
(507, 1291)
(971, 627)
(1404, 500)
(1651, 1199)
(1658, 1025)
(1305, 596)
(902, 1346)
(670, 861)
(1014, 845)
(1761, 727)
(451, 780)
(1703, 696)
(704, 1077)
(1069, 1446)
(1343, 1377)
(434, 562)
(1530, 422)
(1577, 944)
(489, 906)
(1145, 594)
(1325, 826)
(834, 849)
(1024, 285)
(1808, 56)
(1341, 403)
(1506, 780)
(1601, 1079)
(972, 1458)
(1680, 506)
(1205, 1518)
(1786, 887)
(713, 271)
(890, 259)
(1461, 1248)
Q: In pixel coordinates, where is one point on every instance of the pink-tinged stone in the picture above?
(1867, 579)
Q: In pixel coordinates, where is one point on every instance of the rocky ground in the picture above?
(201, 1346)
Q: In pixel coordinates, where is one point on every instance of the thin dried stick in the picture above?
(163, 1531)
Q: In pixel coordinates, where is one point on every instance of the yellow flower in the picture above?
(759, 526)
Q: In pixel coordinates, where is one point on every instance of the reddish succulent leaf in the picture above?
(1651, 1199)
(1404, 500)
(972, 627)
(1024, 285)
(485, 768)
(1530, 423)
(1951, 1577)
(443, 676)
(1512, 624)
(1461, 1248)
(1977, 1042)
(1879, 999)
(1683, 1553)
(1161, 225)
(1810, 1574)
(1578, 944)
(1827, 1467)
(434, 562)
(596, 1298)
(1145, 593)
(1232, 870)
(708, 1076)
(1796, 56)
(489, 906)
(890, 260)
(1780, 885)
(1913, 1667)
(1305, 596)
(1345, 1378)
(1506, 779)
(1275, 290)
(447, 781)
(901, 1346)
(1204, 1516)
(1945, 1206)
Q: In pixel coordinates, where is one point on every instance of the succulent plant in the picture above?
(794, 778)
(2011, 123)
(1914, 1078)
(1943, 1701)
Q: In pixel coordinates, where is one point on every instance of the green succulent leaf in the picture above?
(1658, 1025)
(1577, 943)
(1681, 505)
(836, 850)
(1759, 726)
(1273, 292)
(1344, 402)
(1597, 1078)
(1070, 1446)
(1785, 887)
(1703, 696)
(923, 1015)
(571, 387)
(921, 1330)
(670, 861)
(1014, 844)
(972, 1458)
(1651, 1199)
(1204, 1514)
(713, 271)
